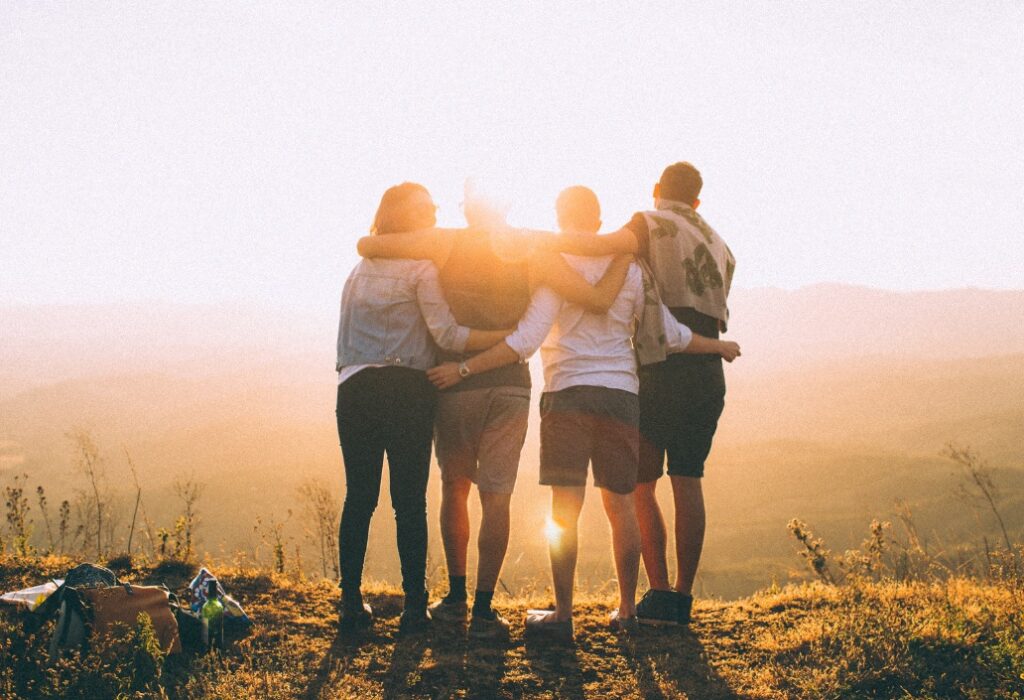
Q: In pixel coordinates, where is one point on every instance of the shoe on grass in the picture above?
(543, 624)
(659, 608)
(449, 610)
(355, 619)
(685, 606)
(623, 625)
(492, 626)
(414, 619)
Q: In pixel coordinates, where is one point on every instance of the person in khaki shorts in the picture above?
(485, 272)
(589, 412)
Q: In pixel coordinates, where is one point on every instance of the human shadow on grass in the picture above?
(403, 672)
(336, 659)
(678, 656)
(466, 666)
(557, 666)
(347, 646)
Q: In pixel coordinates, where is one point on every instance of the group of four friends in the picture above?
(436, 328)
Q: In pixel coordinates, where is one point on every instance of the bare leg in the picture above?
(455, 524)
(690, 521)
(653, 537)
(492, 540)
(566, 504)
(621, 511)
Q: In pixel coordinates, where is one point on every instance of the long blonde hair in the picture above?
(389, 212)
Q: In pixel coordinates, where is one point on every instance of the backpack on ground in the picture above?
(91, 601)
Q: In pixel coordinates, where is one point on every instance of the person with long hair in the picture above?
(394, 317)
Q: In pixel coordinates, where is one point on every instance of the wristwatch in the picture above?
(463, 370)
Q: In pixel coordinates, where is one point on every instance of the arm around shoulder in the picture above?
(429, 244)
(551, 270)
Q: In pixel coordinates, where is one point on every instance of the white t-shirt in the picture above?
(582, 348)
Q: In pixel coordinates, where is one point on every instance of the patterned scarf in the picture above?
(692, 265)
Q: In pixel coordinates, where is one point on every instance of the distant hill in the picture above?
(778, 328)
(828, 322)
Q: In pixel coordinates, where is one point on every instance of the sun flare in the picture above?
(552, 531)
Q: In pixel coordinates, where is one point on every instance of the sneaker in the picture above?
(492, 626)
(542, 623)
(355, 619)
(449, 610)
(658, 608)
(623, 625)
(685, 606)
(414, 619)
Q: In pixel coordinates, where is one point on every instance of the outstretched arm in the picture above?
(551, 270)
(481, 340)
(429, 244)
(701, 345)
(621, 242)
(679, 338)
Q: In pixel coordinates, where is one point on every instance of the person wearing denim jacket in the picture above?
(394, 317)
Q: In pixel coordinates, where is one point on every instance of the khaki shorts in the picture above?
(479, 434)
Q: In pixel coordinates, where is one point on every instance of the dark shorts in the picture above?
(589, 424)
(681, 400)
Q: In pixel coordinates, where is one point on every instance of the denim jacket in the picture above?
(389, 311)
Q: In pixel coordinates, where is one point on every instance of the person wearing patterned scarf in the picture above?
(681, 396)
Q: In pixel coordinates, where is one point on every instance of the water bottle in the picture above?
(212, 615)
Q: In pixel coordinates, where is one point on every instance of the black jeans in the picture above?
(385, 409)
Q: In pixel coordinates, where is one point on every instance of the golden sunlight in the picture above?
(552, 531)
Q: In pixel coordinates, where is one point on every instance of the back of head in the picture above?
(485, 204)
(681, 182)
(404, 207)
(578, 210)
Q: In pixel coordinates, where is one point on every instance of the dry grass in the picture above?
(956, 639)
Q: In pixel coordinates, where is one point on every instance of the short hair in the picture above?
(681, 182)
(389, 217)
(577, 208)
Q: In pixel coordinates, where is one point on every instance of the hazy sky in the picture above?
(235, 151)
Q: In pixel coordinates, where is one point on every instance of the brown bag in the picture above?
(124, 603)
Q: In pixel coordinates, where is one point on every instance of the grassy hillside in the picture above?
(957, 639)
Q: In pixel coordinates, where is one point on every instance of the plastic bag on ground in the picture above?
(197, 591)
(30, 598)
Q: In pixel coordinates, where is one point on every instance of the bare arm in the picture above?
(621, 242)
(481, 340)
(551, 270)
(430, 244)
(701, 345)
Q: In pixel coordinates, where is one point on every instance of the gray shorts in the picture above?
(479, 434)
